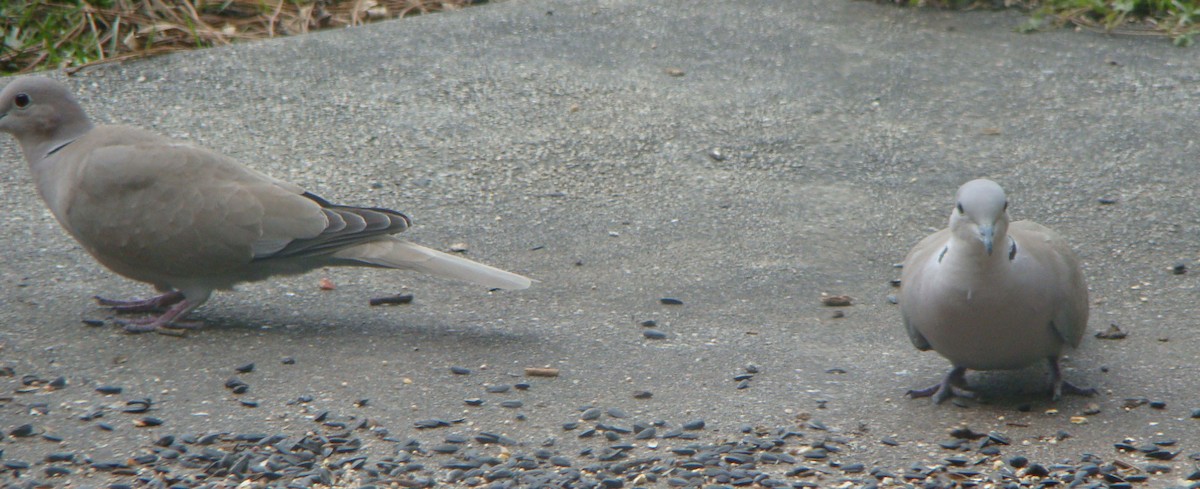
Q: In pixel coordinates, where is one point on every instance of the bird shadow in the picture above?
(1022, 391)
(416, 331)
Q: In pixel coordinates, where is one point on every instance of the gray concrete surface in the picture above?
(550, 137)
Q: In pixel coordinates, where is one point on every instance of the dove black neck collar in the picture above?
(61, 146)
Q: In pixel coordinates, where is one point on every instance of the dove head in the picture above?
(42, 114)
(980, 214)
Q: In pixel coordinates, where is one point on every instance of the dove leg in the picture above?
(168, 321)
(1061, 386)
(154, 304)
(954, 384)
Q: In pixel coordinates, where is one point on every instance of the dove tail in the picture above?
(395, 253)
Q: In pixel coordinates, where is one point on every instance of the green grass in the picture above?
(41, 34)
(1176, 20)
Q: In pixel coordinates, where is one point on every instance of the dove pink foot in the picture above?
(955, 384)
(1061, 386)
(167, 323)
(154, 304)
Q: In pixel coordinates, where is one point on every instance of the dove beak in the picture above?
(986, 233)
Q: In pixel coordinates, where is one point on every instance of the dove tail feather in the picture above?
(394, 253)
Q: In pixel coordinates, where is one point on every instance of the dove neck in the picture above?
(71, 124)
(971, 255)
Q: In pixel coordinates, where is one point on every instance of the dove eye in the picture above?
(960, 209)
(21, 100)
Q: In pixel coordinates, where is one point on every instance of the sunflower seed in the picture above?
(109, 389)
(392, 300)
(23, 431)
(654, 334)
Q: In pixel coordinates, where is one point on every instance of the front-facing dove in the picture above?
(990, 295)
(188, 220)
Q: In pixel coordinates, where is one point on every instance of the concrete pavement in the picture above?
(743, 157)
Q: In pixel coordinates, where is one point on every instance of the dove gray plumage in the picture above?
(189, 220)
(989, 295)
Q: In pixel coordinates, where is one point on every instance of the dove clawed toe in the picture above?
(158, 303)
(1061, 386)
(953, 385)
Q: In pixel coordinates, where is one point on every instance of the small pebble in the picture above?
(670, 301)
(460, 370)
(109, 389)
(512, 404)
(245, 369)
(643, 395)
(697, 424)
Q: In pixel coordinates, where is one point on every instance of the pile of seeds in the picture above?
(623, 456)
(617, 451)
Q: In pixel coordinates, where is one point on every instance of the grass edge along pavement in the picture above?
(1178, 20)
(41, 35)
